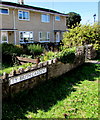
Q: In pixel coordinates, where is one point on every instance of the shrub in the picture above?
(48, 56)
(8, 50)
(82, 34)
(35, 49)
(67, 55)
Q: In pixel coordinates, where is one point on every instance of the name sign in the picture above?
(26, 76)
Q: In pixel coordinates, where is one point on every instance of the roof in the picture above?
(11, 4)
(7, 29)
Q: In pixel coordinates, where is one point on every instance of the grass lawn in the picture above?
(9, 69)
(74, 94)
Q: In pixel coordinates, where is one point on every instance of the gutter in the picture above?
(10, 6)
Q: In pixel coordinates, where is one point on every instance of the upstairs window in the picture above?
(45, 18)
(22, 15)
(57, 18)
(4, 11)
(26, 36)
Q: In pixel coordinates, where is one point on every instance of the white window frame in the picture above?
(6, 36)
(22, 15)
(5, 13)
(47, 37)
(47, 19)
(32, 41)
(56, 18)
(57, 36)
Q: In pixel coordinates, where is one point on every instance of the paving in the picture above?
(92, 61)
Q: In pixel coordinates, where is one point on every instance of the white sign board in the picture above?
(26, 76)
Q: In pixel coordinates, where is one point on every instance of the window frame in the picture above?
(6, 36)
(22, 41)
(48, 38)
(56, 18)
(4, 13)
(47, 19)
(22, 15)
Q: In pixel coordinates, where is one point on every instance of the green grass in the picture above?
(74, 94)
(9, 69)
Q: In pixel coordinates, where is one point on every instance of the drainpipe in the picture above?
(14, 25)
(53, 26)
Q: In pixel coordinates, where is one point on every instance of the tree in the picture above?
(81, 35)
(73, 19)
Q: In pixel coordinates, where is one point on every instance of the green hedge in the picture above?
(8, 50)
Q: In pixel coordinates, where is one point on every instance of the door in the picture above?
(57, 37)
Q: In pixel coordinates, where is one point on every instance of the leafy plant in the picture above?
(8, 50)
(67, 55)
(35, 49)
(48, 56)
(9, 69)
(81, 35)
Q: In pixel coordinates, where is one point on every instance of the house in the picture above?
(21, 24)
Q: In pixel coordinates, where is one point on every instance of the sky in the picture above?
(86, 8)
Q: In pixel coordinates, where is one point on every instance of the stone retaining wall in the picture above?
(53, 68)
(23, 79)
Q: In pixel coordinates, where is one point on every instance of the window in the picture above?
(57, 18)
(22, 15)
(45, 18)
(44, 36)
(4, 37)
(4, 11)
(26, 36)
(57, 37)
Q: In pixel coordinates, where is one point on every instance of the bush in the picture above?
(48, 56)
(8, 50)
(82, 34)
(35, 49)
(11, 49)
(67, 55)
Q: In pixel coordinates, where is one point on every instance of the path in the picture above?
(92, 61)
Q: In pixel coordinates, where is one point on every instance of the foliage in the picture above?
(9, 69)
(73, 19)
(48, 56)
(67, 55)
(81, 35)
(35, 49)
(27, 56)
(74, 94)
(8, 50)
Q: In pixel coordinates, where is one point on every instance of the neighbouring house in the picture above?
(21, 24)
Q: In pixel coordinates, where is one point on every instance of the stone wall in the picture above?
(23, 79)
(14, 82)
(90, 52)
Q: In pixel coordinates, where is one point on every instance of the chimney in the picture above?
(21, 2)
